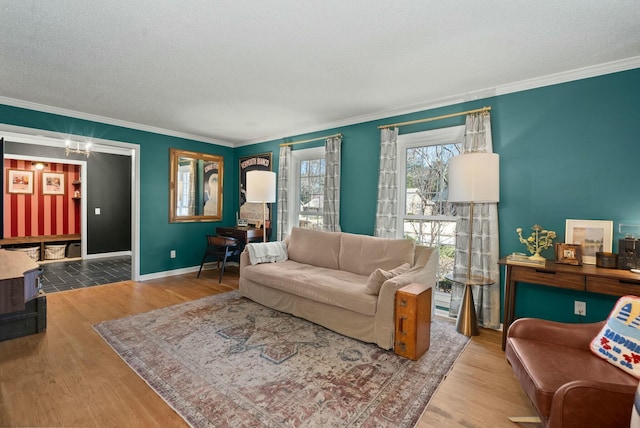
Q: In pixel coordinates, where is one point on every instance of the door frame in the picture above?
(23, 135)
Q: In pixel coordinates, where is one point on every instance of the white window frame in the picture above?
(297, 156)
(450, 135)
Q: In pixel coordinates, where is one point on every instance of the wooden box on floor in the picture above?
(413, 321)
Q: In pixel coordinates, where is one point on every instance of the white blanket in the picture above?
(267, 252)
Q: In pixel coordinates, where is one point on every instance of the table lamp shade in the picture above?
(261, 186)
(474, 177)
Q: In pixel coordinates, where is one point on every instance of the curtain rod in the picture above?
(310, 140)
(430, 119)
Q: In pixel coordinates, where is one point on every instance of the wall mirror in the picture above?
(195, 186)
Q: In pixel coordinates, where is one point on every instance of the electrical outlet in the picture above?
(173, 254)
(580, 308)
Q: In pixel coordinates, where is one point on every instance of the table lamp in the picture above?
(261, 187)
(473, 178)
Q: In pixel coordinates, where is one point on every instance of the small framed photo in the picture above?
(594, 236)
(19, 181)
(53, 183)
(569, 254)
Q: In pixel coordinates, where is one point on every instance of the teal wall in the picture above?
(157, 236)
(567, 151)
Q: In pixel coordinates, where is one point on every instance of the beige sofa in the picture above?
(326, 276)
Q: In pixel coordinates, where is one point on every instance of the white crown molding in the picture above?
(571, 75)
(109, 121)
(538, 82)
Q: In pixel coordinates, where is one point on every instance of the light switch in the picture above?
(97, 211)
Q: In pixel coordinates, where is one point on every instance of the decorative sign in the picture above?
(251, 211)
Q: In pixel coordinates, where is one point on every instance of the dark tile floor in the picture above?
(69, 275)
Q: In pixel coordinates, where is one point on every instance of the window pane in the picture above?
(426, 179)
(441, 235)
(311, 193)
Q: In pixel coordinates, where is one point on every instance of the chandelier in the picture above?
(69, 148)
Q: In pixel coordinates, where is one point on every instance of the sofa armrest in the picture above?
(244, 260)
(584, 403)
(577, 336)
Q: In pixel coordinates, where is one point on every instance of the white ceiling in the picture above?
(235, 72)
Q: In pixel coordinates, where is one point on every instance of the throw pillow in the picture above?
(379, 276)
(618, 342)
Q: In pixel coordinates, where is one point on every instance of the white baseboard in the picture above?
(105, 255)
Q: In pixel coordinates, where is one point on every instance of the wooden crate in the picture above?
(413, 321)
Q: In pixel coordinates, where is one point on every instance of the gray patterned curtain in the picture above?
(283, 192)
(331, 204)
(485, 246)
(387, 210)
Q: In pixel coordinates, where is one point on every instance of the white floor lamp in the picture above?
(473, 177)
(261, 187)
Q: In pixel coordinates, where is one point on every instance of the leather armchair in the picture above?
(568, 385)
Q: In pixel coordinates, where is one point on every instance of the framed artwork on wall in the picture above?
(53, 183)
(593, 235)
(251, 212)
(19, 181)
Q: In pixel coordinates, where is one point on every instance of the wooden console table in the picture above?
(614, 282)
(242, 234)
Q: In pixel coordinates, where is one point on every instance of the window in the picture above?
(428, 218)
(307, 176)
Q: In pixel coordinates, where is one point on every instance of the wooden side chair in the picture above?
(222, 247)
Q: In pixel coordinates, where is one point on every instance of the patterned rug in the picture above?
(226, 361)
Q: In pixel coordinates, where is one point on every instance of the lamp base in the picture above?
(467, 322)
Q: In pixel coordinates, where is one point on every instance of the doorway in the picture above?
(103, 205)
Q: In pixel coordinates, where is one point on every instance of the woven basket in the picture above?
(33, 252)
(54, 252)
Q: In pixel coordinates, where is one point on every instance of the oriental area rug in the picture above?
(225, 361)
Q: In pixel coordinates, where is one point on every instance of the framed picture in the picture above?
(594, 236)
(569, 254)
(251, 212)
(53, 183)
(19, 181)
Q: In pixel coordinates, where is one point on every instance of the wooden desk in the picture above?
(242, 234)
(614, 282)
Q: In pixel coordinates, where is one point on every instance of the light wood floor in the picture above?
(68, 376)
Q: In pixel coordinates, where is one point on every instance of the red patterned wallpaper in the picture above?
(38, 214)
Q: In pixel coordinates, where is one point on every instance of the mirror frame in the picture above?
(174, 156)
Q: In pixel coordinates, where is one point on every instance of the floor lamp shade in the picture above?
(261, 186)
(474, 177)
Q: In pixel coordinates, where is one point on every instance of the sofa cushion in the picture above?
(314, 247)
(330, 286)
(379, 276)
(364, 254)
(618, 342)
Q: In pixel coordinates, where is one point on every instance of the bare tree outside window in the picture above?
(429, 219)
(311, 193)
